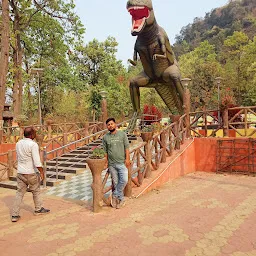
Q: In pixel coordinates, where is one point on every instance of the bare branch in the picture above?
(50, 13)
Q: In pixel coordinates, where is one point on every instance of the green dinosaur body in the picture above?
(160, 68)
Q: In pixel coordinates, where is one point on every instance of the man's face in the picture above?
(111, 125)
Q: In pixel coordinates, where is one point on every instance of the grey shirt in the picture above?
(115, 146)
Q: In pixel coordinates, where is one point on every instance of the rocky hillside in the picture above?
(217, 25)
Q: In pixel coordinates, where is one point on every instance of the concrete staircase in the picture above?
(68, 165)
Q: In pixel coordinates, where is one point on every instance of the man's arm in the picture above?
(127, 158)
(127, 151)
(41, 170)
(104, 144)
(37, 161)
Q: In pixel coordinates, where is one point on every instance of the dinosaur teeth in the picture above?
(135, 8)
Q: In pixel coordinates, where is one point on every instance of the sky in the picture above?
(103, 18)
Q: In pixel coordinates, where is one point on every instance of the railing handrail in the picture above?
(69, 133)
(45, 125)
(81, 140)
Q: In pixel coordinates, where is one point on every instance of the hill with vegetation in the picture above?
(217, 25)
(223, 44)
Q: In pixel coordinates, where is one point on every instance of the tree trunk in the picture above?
(4, 57)
(17, 59)
(15, 89)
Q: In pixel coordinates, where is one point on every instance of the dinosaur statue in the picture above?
(160, 68)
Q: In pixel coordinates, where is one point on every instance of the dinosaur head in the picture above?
(142, 14)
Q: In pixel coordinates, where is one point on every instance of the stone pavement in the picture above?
(197, 215)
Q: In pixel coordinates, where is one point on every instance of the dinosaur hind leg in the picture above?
(172, 76)
(142, 80)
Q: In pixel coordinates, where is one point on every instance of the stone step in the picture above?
(8, 184)
(83, 149)
(61, 175)
(71, 161)
(52, 174)
(72, 155)
(69, 164)
(79, 151)
(12, 184)
(62, 169)
(93, 144)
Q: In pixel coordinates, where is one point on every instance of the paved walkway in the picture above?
(198, 215)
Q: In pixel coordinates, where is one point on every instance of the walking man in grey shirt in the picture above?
(116, 146)
(29, 173)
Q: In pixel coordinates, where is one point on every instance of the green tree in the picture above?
(232, 55)
(202, 66)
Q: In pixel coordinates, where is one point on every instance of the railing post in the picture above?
(175, 121)
(225, 123)
(10, 163)
(176, 132)
(1, 130)
(245, 122)
(163, 143)
(44, 166)
(157, 160)
(49, 129)
(170, 141)
(148, 157)
(186, 100)
(21, 132)
(183, 134)
(65, 139)
(65, 128)
(86, 131)
(205, 121)
(128, 187)
(140, 174)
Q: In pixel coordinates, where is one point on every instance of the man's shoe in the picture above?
(42, 211)
(15, 218)
(113, 201)
(120, 204)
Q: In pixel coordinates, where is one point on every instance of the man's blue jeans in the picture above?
(119, 174)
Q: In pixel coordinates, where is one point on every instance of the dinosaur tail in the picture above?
(169, 95)
(132, 123)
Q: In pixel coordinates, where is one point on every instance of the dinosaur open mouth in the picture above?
(139, 15)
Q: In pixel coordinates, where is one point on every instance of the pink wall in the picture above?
(179, 164)
(5, 148)
(197, 155)
(205, 154)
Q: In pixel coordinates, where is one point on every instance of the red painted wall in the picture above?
(205, 154)
(180, 164)
(5, 148)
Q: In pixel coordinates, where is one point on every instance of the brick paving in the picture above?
(200, 214)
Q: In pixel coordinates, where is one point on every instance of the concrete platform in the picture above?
(198, 214)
